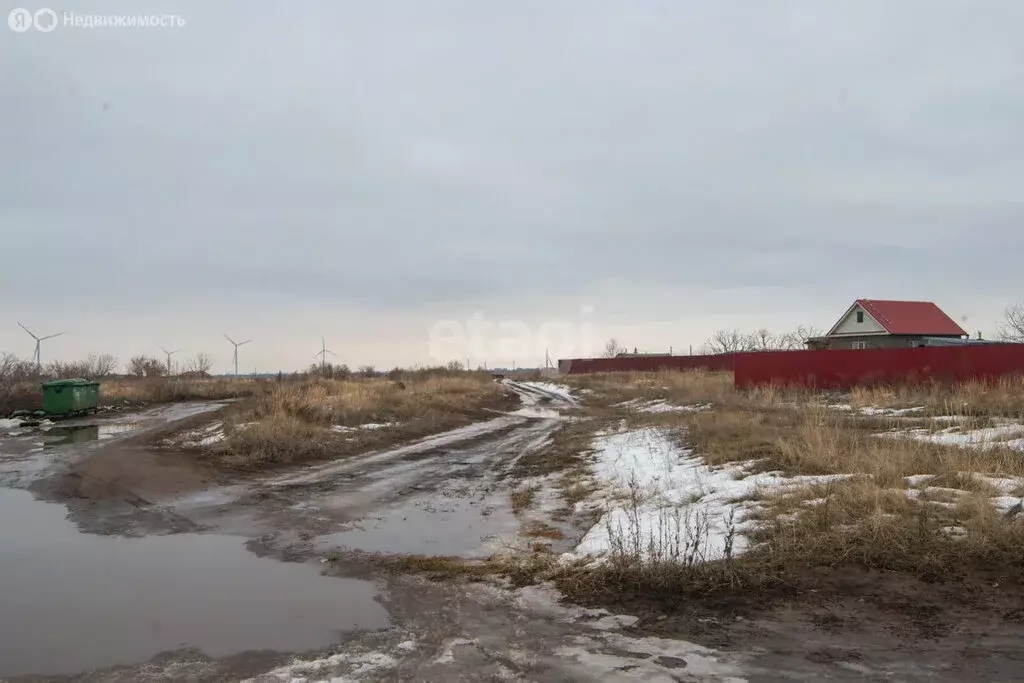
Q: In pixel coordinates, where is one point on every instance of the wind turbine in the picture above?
(322, 353)
(169, 354)
(236, 344)
(39, 341)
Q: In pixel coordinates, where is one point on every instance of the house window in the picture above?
(860, 317)
(859, 345)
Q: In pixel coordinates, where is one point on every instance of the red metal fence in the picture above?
(719, 362)
(842, 369)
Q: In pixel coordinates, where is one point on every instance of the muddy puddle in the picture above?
(445, 526)
(55, 437)
(71, 602)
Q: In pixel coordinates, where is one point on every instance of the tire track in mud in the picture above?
(458, 477)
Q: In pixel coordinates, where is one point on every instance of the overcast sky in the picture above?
(368, 170)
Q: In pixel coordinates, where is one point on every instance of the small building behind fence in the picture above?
(882, 324)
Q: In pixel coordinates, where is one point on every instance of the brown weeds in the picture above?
(316, 418)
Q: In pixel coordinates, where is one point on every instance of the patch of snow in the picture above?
(614, 622)
(1003, 484)
(368, 425)
(359, 664)
(448, 652)
(894, 412)
(558, 390)
(208, 436)
(987, 437)
(949, 418)
(650, 659)
(1002, 503)
(1005, 503)
(10, 424)
(537, 413)
(628, 404)
(916, 480)
(954, 530)
(876, 410)
(661, 405)
(661, 497)
(646, 659)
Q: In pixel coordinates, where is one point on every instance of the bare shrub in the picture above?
(329, 370)
(200, 365)
(146, 366)
(93, 367)
(18, 384)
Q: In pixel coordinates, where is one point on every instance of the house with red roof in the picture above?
(882, 324)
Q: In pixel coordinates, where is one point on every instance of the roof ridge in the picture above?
(878, 315)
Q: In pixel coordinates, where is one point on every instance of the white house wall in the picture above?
(849, 324)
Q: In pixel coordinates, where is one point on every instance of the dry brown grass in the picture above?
(522, 499)
(356, 401)
(867, 520)
(1003, 398)
(170, 389)
(862, 524)
(296, 421)
(606, 389)
(815, 440)
(539, 529)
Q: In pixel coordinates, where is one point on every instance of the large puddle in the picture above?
(71, 602)
(446, 526)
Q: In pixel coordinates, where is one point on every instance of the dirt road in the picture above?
(125, 563)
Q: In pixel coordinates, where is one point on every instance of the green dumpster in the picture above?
(68, 396)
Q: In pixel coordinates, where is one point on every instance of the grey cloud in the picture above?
(518, 157)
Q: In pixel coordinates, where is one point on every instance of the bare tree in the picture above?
(797, 339)
(733, 341)
(93, 366)
(764, 340)
(200, 364)
(612, 348)
(103, 365)
(454, 366)
(726, 341)
(1012, 328)
(14, 369)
